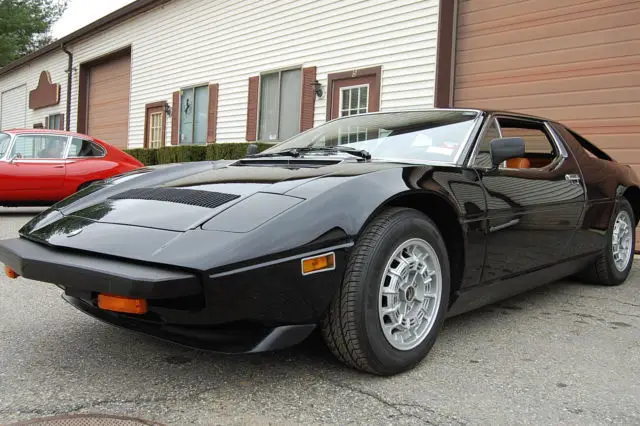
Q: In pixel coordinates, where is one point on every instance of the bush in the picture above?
(187, 153)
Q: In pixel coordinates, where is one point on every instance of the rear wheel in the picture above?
(614, 264)
(394, 295)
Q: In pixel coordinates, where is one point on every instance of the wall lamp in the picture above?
(317, 87)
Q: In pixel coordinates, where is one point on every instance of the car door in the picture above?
(534, 203)
(37, 164)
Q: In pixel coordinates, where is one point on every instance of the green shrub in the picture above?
(187, 153)
(148, 157)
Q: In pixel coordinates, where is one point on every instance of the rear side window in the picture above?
(589, 148)
(81, 148)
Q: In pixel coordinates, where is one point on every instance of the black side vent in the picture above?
(192, 197)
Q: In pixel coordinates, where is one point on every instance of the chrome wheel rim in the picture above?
(622, 239)
(410, 294)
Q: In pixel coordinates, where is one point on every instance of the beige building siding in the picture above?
(189, 42)
(28, 76)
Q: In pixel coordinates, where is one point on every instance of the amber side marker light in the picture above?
(10, 273)
(128, 305)
(320, 263)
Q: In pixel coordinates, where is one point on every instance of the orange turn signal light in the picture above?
(128, 305)
(323, 262)
(10, 273)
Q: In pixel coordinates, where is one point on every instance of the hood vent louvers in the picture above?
(192, 197)
(293, 163)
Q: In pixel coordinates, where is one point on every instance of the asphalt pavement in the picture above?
(566, 353)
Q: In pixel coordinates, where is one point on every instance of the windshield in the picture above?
(421, 136)
(5, 139)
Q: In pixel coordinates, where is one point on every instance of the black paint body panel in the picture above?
(234, 262)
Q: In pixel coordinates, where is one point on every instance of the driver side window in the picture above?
(39, 147)
(540, 151)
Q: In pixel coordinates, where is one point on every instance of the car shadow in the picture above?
(106, 346)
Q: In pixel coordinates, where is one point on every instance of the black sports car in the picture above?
(372, 227)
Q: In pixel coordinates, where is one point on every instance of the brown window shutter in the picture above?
(252, 108)
(175, 117)
(308, 102)
(61, 125)
(46, 122)
(212, 123)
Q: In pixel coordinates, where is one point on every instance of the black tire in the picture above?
(603, 270)
(351, 327)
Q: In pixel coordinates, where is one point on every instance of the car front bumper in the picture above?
(254, 310)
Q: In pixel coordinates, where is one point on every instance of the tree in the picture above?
(25, 26)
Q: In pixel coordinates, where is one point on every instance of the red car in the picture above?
(40, 167)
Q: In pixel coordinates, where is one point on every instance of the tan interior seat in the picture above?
(518, 163)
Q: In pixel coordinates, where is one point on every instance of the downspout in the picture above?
(69, 79)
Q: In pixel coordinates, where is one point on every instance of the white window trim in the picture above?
(343, 89)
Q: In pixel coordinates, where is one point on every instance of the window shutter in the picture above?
(61, 123)
(46, 122)
(175, 117)
(308, 98)
(212, 123)
(252, 108)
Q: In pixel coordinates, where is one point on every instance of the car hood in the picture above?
(185, 196)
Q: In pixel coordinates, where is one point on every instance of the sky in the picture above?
(82, 12)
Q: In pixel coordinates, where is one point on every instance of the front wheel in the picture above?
(394, 295)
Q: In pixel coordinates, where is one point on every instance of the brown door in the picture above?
(154, 126)
(108, 101)
(353, 92)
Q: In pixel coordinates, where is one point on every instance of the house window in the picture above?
(194, 111)
(55, 121)
(354, 100)
(280, 96)
(155, 131)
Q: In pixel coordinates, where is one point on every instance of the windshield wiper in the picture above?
(296, 152)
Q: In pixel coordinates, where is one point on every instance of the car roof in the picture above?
(48, 131)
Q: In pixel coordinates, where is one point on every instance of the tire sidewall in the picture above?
(386, 358)
(615, 275)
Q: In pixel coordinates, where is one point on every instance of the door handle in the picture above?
(573, 178)
(59, 167)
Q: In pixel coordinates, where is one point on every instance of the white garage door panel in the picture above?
(14, 108)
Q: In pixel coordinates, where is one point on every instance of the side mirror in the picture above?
(252, 149)
(503, 149)
(13, 157)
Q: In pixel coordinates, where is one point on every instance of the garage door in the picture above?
(14, 108)
(108, 103)
(576, 61)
